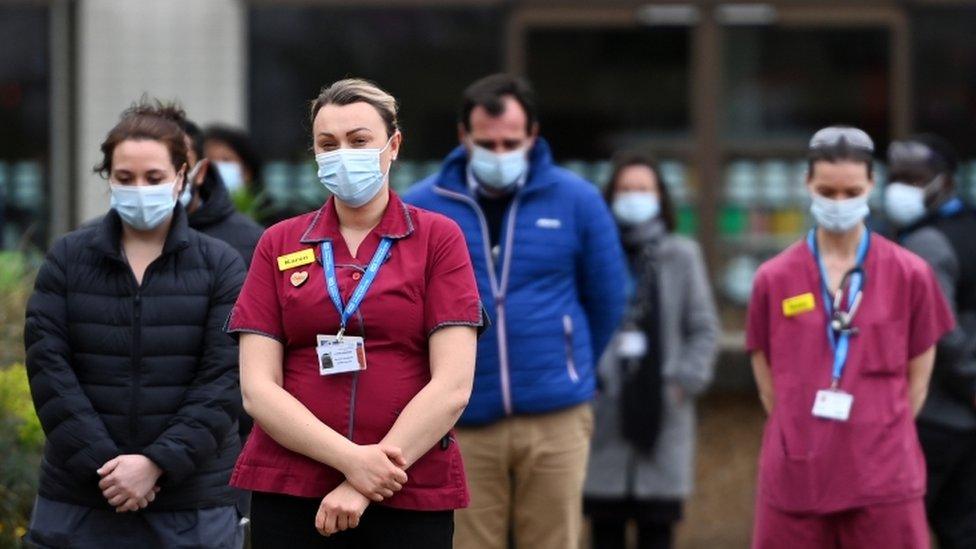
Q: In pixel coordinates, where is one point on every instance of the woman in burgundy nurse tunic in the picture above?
(358, 333)
(842, 327)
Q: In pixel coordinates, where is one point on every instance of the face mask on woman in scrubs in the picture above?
(839, 178)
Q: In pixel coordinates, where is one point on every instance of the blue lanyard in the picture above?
(328, 262)
(840, 342)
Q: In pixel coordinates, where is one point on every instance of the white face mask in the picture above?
(839, 216)
(905, 204)
(635, 208)
(144, 207)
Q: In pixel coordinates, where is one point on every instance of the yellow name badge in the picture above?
(800, 304)
(296, 259)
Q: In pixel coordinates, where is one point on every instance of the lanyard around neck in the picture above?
(839, 327)
(332, 284)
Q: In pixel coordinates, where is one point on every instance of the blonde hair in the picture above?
(356, 90)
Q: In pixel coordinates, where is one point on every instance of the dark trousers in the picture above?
(951, 498)
(279, 521)
(654, 519)
(56, 525)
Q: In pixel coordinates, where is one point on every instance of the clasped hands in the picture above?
(373, 473)
(129, 482)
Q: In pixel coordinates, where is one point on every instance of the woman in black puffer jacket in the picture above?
(133, 378)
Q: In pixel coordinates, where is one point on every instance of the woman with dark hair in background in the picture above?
(133, 378)
(235, 157)
(662, 357)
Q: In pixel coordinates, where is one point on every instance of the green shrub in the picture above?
(17, 270)
(21, 444)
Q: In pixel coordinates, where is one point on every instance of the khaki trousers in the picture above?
(525, 475)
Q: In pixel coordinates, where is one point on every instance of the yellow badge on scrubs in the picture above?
(800, 304)
(296, 259)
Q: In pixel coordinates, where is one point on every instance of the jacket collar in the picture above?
(217, 205)
(396, 223)
(107, 238)
(948, 208)
(454, 173)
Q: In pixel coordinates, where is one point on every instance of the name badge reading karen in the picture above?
(297, 259)
(833, 404)
(800, 304)
(340, 357)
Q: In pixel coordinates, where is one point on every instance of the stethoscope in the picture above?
(840, 320)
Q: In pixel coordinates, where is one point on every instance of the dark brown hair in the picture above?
(621, 161)
(357, 90)
(489, 92)
(149, 120)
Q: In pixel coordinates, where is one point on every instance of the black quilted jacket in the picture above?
(117, 368)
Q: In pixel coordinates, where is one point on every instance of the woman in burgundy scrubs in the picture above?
(842, 327)
(358, 326)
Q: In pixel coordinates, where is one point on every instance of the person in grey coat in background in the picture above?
(661, 358)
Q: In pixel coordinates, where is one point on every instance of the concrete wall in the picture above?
(191, 50)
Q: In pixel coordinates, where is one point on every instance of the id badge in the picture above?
(340, 357)
(833, 404)
(631, 344)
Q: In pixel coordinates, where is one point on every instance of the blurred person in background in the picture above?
(550, 267)
(932, 221)
(659, 361)
(363, 455)
(842, 328)
(208, 202)
(234, 156)
(132, 376)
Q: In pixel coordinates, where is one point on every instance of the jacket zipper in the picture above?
(136, 363)
(570, 362)
(498, 288)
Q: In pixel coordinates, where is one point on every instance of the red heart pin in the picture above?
(299, 278)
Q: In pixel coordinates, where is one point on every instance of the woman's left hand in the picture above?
(340, 510)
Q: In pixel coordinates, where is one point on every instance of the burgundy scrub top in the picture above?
(813, 465)
(426, 282)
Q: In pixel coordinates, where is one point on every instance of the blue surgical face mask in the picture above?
(354, 176)
(839, 216)
(498, 171)
(635, 208)
(231, 174)
(144, 207)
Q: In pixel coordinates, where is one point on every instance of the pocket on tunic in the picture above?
(886, 353)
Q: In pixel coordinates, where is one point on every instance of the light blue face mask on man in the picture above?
(498, 171)
(231, 174)
(354, 176)
(839, 216)
(143, 207)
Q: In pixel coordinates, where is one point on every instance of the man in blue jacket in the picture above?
(552, 275)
